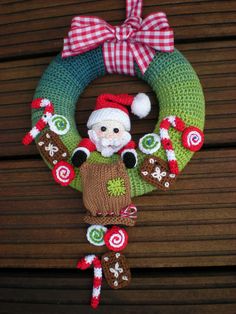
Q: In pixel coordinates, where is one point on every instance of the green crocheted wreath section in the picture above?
(171, 77)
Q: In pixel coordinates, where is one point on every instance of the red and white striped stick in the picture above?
(192, 139)
(41, 124)
(85, 263)
(166, 142)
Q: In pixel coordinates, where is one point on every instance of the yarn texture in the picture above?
(171, 77)
(106, 190)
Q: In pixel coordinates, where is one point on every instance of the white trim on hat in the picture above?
(109, 114)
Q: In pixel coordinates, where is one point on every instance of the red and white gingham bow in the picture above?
(135, 39)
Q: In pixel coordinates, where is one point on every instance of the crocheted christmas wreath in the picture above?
(105, 166)
(171, 77)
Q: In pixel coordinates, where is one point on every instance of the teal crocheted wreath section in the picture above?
(171, 77)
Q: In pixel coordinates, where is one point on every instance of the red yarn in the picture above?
(49, 108)
(85, 263)
(179, 124)
(165, 124)
(96, 262)
(40, 124)
(86, 142)
(39, 103)
(95, 302)
(97, 282)
(130, 145)
(114, 101)
(192, 138)
(174, 167)
(27, 139)
(36, 103)
(167, 144)
(116, 239)
(63, 173)
(82, 264)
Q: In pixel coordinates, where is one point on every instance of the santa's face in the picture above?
(109, 137)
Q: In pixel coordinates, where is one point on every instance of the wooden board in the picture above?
(155, 292)
(38, 27)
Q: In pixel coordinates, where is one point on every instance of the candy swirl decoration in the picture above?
(116, 239)
(63, 173)
(192, 138)
(95, 235)
(59, 124)
(149, 143)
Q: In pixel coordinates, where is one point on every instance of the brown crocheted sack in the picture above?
(106, 191)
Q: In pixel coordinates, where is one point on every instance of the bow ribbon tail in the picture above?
(155, 21)
(143, 55)
(118, 58)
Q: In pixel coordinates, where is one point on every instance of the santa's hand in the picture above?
(78, 157)
(129, 158)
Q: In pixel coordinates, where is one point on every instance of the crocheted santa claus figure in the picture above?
(109, 126)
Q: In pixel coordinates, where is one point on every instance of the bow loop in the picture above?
(155, 21)
(135, 39)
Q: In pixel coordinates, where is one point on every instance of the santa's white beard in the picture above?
(107, 147)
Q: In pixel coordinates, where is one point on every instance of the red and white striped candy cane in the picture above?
(85, 263)
(41, 124)
(192, 139)
(166, 142)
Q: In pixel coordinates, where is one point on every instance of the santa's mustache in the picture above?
(109, 142)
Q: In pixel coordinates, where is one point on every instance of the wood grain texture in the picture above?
(193, 225)
(169, 292)
(36, 28)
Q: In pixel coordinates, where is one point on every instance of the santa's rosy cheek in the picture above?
(99, 133)
(119, 134)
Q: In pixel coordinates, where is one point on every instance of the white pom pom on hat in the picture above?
(114, 107)
(141, 105)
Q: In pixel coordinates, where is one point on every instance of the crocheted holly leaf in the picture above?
(116, 187)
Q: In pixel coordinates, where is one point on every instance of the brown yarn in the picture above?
(116, 277)
(156, 171)
(100, 197)
(109, 220)
(52, 149)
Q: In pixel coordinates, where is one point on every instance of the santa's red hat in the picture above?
(114, 107)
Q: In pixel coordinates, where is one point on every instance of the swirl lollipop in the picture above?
(59, 124)
(63, 173)
(149, 143)
(192, 138)
(95, 234)
(116, 239)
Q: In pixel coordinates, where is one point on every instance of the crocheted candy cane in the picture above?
(41, 124)
(85, 263)
(192, 139)
(166, 142)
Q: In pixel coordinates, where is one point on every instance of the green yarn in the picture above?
(171, 77)
(149, 142)
(116, 187)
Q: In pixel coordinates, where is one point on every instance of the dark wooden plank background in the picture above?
(183, 249)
